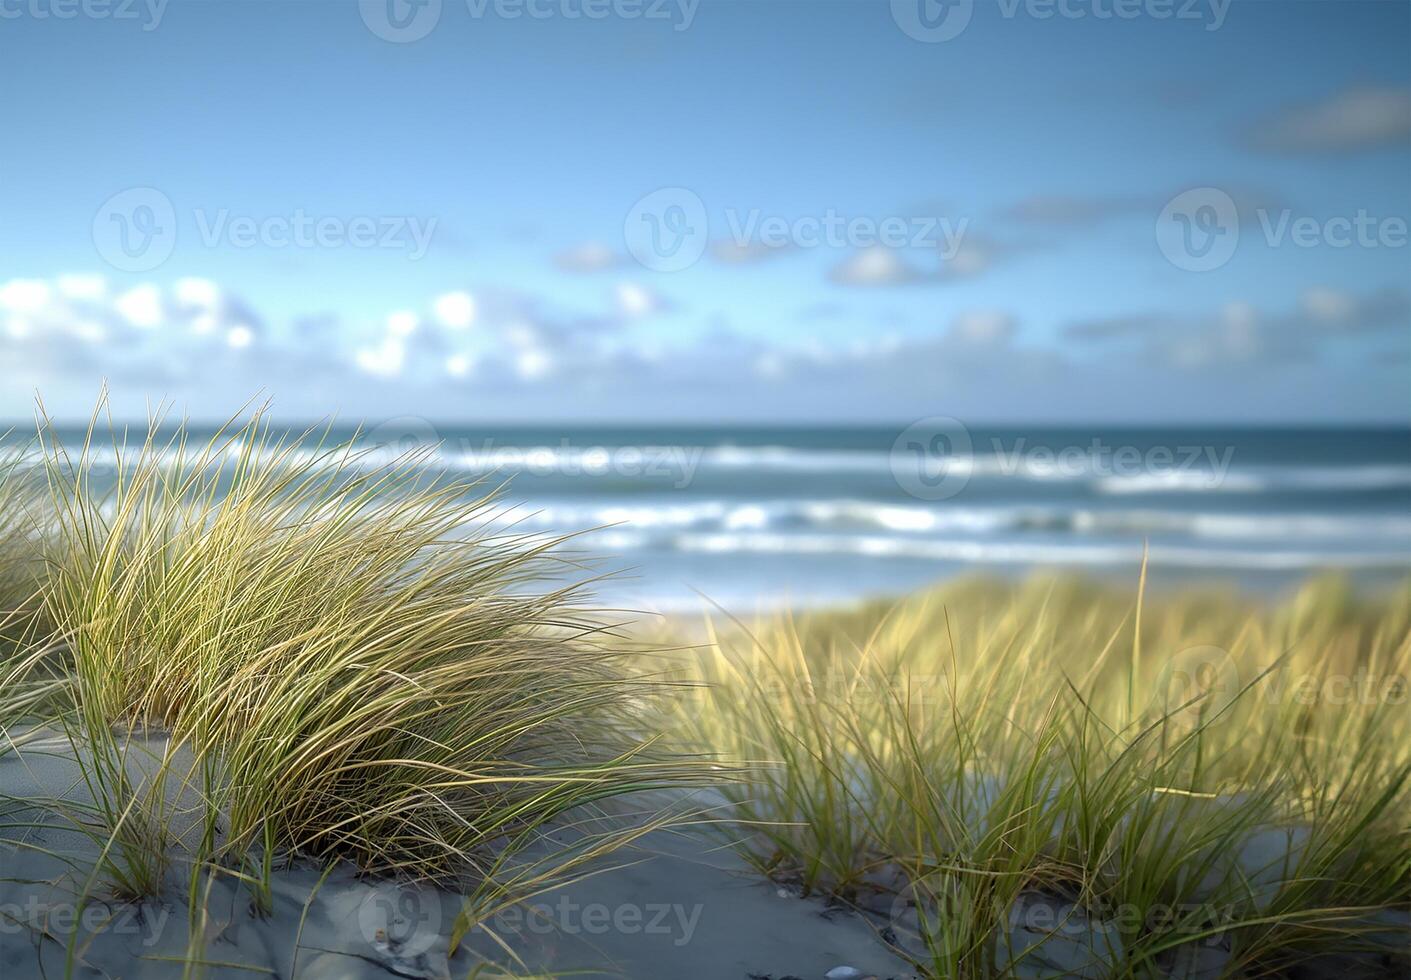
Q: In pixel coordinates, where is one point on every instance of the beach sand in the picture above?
(668, 907)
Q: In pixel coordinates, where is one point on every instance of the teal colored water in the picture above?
(752, 516)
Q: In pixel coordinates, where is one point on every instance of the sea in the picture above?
(677, 518)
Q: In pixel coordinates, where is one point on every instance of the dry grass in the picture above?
(346, 666)
(1192, 769)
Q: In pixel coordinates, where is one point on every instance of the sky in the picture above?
(1115, 211)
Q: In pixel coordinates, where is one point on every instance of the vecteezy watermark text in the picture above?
(136, 230)
(681, 13)
(834, 230)
(1199, 229)
(404, 21)
(669, 230)
(568, 917)
(1211, 678)
(934, 459)
(933, 21)
(302, 230)
(674, 463)
(146, 921)
(149, 12)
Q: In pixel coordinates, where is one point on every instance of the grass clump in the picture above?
(343, 662)
(971, 763)
(28, 686)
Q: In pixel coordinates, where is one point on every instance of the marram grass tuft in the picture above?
(1197, 769)
(349, 663)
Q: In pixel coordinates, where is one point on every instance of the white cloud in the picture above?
(533, 364)
(735, 252)
(634, 300)
(876, 266)
(75, 327)
(521, 334)
(587, 257)
(384, 360)
(455, 311)
(239, 337)
(25, 295)
(403, 323)
(1240, 335)
(197, 292)
(1353, 120)
(770, 365)
(966, 256)
(79, 333)
(141, 306)
(83, 287)
(1329, 305)
(983, 328)
(460, 365)
(89, 331)
(973, 257)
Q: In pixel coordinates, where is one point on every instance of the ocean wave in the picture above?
(1096, 472)
(1027, 553)
(1262, 479)
(1103, 472)
(842, 515)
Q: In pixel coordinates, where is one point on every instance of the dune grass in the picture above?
(342, 663)
(1184, 771)
(26, 685)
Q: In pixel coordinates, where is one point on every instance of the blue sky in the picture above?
(479, 190)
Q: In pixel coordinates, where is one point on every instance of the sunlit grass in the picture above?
(334, 658)
(1230, 773)
(26, 683)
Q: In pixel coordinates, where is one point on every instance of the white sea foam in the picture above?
(846, 514)
(1263, 479)
(1029, 553)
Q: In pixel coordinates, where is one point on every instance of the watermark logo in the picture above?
(135, 229)
(400, 21)
(1201, 678)
(149, 12)
(400, 918)
(932, 21)
(1198, 229)
(667, 230)
(932, 458)
(401, 439)
(910, 916)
